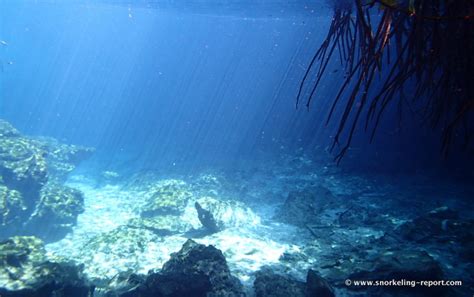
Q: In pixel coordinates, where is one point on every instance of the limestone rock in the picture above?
(56, 213)
(303, 206)
(165, 198)
(226, 213)
(26, 271)
(30, 203)
(413, 265)
(194, 271)
(62, 158)
(12, 210)
(269, 284)
(198, 259)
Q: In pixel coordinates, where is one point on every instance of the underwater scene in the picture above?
(268, 148)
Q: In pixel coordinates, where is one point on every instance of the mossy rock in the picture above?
(63, 202)
(56, 213)
(226, 213)
(166, 197)
(25, 270)
(30, 204)
(20, 249)
(122, 249)
(12, 207)
(7, 130)
(62, 158)
(22, 164)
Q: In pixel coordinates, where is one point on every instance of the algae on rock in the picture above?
(30, 203)
(167, 197)
(25, 270)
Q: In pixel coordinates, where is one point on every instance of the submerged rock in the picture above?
(13, 209)
(196, 259)
(441, 224)
(304, 206)
(23, 166)
(7, 130)
(412, 265)
(225, 213)
(317, 286)
(269, 284)
(195, 271)
(62, 158)
(119, 250)
(165, 198)
(30, 204)
(206, 218)
(26, 271)
(56, 212)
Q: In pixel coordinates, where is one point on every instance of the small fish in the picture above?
(3, 42)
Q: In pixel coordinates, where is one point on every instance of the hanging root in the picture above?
(428, 47)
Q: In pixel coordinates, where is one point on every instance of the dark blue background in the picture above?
(179, 84)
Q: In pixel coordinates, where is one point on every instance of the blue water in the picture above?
(162, 83)
(183, 89)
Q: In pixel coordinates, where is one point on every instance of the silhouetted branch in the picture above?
(431, 44)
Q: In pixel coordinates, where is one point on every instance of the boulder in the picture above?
(167, 197)
(13, 209)
(206, 218)
(56, 213)
(23, 166)
(195, 271)
(7, 130)
(122, 249)
(269, 284)
(304, 206)
(25, 271)
(441, 224)
(198, 259)
(412, 265)
(62, 158)
(225, 213)
(317, 286)
(30, 203)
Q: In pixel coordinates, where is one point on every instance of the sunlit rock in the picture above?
(199, 259)
(126, 249)
(227, 213)
(12, 210)
(30, 204)
(7, 130)
(62, 158)
(22, 165)
(56, 211)
(26, 271)
(166, 197)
